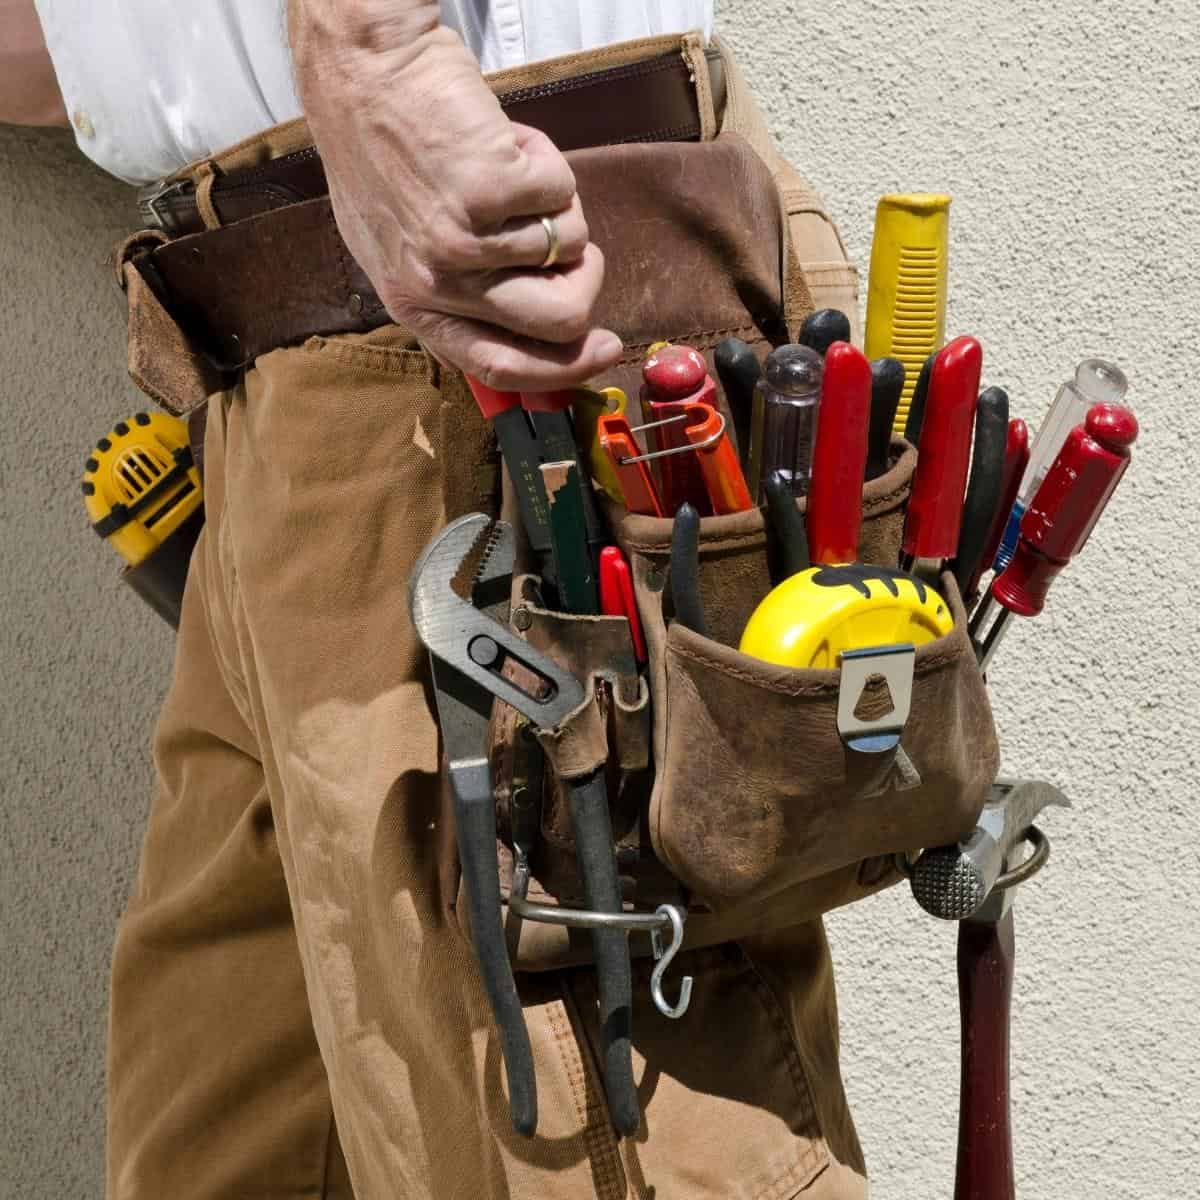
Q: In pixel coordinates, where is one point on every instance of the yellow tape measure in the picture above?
(810, 619)
(140, 484)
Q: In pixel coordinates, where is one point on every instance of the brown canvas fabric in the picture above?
(292, 950)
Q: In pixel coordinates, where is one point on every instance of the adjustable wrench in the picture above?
(458, 595)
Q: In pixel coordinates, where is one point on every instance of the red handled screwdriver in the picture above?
(935, 505)
(1062, 515)
(1016, 459)
(839, 456)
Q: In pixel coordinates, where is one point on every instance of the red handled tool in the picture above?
(725, 485)
(935, 505)
(617, 599)
(673, 379)
(522, 452)
(637, 485)
(1016, 459)
(1060, 518)
(839, 456)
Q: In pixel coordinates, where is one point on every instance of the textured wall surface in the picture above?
(1067, 135)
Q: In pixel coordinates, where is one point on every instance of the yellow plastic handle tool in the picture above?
(140, 484)
(589, 407)
(810, 619)
(906, 295)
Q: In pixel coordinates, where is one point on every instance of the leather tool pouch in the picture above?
(731, 791)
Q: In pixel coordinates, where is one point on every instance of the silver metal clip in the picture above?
(895, 664)
(663, 959)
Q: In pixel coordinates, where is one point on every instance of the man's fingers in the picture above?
(537, 181)
(521, 242)
(511, 363)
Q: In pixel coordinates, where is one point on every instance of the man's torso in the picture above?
(150, 89)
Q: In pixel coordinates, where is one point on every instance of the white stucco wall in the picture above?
(1068, 136)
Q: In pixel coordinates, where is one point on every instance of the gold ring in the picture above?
(553, 246)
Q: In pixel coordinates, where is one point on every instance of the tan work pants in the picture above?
(285, 963)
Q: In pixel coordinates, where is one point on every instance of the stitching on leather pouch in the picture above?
(928, 664)
(690, 339)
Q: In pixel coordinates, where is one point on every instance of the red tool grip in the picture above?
(673, 373)
(673, 379)
(492, 402)
(556, 401)
(617, 599)
(617, 441)
(1016, 459)
(1067, 506)
(839, 456)
(723, 478)
(944, 454)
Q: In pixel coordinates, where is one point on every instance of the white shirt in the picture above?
(151, 85)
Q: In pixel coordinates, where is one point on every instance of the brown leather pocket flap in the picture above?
(757, 792)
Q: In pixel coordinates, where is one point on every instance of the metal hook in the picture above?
(663, 959)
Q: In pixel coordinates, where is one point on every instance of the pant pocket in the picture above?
(731, 1117)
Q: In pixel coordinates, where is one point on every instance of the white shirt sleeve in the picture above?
(151, 85)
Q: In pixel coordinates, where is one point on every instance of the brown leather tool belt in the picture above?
(277, 271)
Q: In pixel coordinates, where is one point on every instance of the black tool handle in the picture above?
(887, 383)
(592, 826)
(685, 570)
(984, 486)
(787, 547)
(739, 372)
(475, 829)
(824, 327)
(916, 406)
(985, 978)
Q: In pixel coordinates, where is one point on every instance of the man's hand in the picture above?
(439, 196)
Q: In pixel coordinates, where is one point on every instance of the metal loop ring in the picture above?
(1031, 866)
(584, 918)
(712, 440)
(553, 245)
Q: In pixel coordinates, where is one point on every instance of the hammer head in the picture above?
(952, 882)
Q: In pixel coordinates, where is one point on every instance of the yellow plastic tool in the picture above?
(589, 407)
(906, 295)
(140, 484)
(811, 618)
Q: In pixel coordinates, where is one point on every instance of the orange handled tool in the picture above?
(637, 486)
(723, 479)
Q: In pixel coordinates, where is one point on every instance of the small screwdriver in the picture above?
(1060, 518)
(785, 419)
(1016, 459)
(824, 327)
(739, 372)
(1095, 382)
(672, 379)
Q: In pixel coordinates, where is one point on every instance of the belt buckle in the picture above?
(151, 200)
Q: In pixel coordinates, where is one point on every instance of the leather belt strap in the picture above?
(649, 101)
(282, 273)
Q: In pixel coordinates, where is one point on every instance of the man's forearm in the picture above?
(323, 31)
(29, 92)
